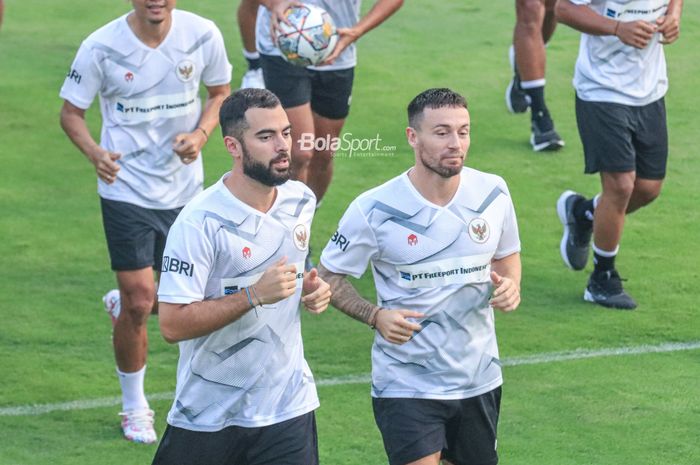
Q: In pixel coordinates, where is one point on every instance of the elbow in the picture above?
(561, 11)
(169, 331)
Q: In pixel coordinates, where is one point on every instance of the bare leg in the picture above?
(645, 191)
(303, 136)
(527, 39)
(321, 166)
(609, 216)
(137, 292)
(247, 15)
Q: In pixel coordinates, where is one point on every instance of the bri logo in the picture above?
(173, 265)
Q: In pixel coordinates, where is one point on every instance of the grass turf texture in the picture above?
(55, 340)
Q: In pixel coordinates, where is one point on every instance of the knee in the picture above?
(302, 157)
(137, 304)
(647, 195)
(530, 14)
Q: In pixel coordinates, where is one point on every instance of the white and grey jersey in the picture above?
(147, 97)
(607, 70)
(345, 13)
(251, 372)
(435, 260)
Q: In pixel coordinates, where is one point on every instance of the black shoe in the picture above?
(605, 288)
(517, 101)
(544, 136)
(576, 241)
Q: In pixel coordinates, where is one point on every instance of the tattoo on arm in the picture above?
(346, 299)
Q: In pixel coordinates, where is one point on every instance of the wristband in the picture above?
(256, 296)
(616, 26)
(372, 320)
(250, 300)
(204, 131)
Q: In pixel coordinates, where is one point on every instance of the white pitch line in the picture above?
(551, 357)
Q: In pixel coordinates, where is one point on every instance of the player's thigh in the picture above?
(180, 446)
(650, 140)
(290, 442)
(471, 436)
(412, 429)
(291, 84)
(331, 93)
(606, 134)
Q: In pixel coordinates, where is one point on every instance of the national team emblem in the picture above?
(412, 240)
(129, 76)
(300, 235)
(479, 230)
(246, 252)
(185, 70)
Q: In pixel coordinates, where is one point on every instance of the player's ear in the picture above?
(411, 136)
(233, 146)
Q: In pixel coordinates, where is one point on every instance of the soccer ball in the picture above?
(310, 38)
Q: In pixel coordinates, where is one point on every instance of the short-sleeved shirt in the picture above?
(607, 70)
(147, 97)
(435, 260)
(345, 14)
(251, 372)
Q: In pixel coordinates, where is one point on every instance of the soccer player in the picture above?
(534, 26)
(2, 11)
(443, 244)
(146, 67)
(620, 81)
(247, 14)
(317, 98)
(231, 297)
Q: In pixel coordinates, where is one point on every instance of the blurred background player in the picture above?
(247, 14)
(245, 394)
(442, 240)
(534, 26)
(148, 161)
(620, 81)
(317, 98)
(2, 11)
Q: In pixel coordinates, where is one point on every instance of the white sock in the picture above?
(251, 55)
(133, 397)
(533, 84)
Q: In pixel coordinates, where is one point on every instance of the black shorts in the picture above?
(291, 442)
(620, 138)
(135, 235)
(329, 92)
(464, 430)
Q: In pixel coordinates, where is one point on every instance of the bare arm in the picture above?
(179, 322)
(391, 324)
(505, 275)
(634, 33)
(75, 127)
(379, 13)
(187, 145)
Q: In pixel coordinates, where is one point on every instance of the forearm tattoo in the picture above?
(345, 298)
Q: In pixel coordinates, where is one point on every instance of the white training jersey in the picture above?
(252, 372)
(435, 260)
(345, 13)
(147, 97)
(607, 70)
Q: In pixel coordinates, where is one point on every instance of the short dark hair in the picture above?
(232, 111)
(433, 98)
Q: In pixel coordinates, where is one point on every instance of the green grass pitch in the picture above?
(636, 409)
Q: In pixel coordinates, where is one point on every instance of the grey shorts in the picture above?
(135, 236)
(620, 138)
(463, 430)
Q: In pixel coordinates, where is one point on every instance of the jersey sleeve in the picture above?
(352, 246)
(510, 237)
(217, 70)
(84, 79)
(187, 260)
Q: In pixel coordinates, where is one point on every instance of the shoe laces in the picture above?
(611, 281)
(139, 419)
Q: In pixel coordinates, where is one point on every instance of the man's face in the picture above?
(153, 11)
(441, 140)
(266, 146)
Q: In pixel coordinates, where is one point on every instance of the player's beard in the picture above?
(435, 167)
(264, 174)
